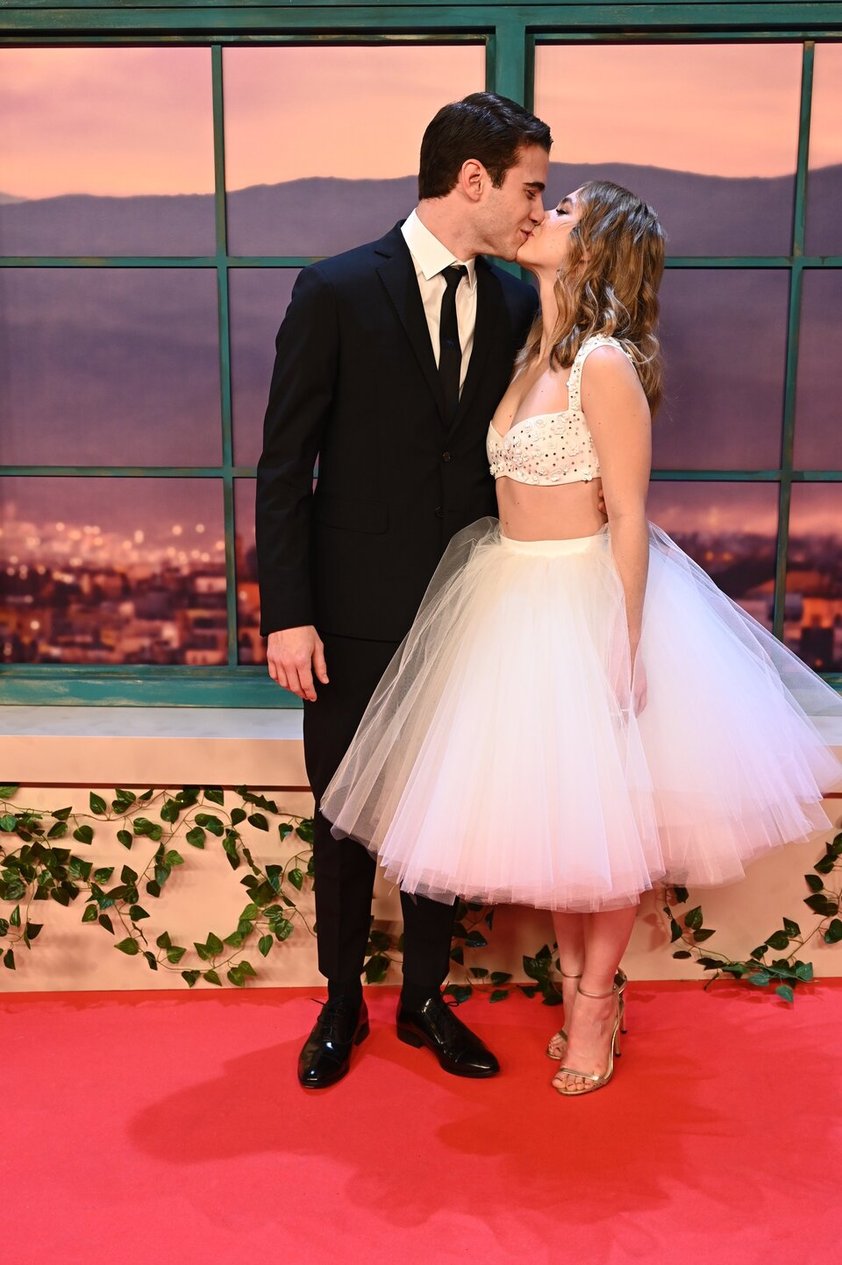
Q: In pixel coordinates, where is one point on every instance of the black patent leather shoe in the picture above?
(457, 1049)
(326, 1055)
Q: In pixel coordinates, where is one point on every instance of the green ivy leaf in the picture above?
(8, 823)
(785, 991)
(778, 940)
(704, 933)
(210, 823)
(457, 954)
(105, 921)
(682, 953)
(170, 811)
(124, 837)
(173, 858)
(175, 953)
(264, 945)
(97, 804)
(306, 830)
(151, 960)
(235, 975)
(475, 940)
(212, 978)
(14, 917)
(163, 941)
(91, 914)
(196, 837)
(459, 992)
(680, 894)
(202, 950)
(214, 943)
(499, 994)
(58, 830)
(803, 971)
(675, 931)
(822, 905)
(137, 912)
(128, 946)
(479, 972)
(528, 990)
(214, 795)
(693, 919)
(84, 834)
(190, 977)
(9, 960)
(296, 878)
(500, 977)
(143, 827)
(284, 830)
(8, 792)
(376, 968)
(791, 928)
(258, 821)
(833, 932)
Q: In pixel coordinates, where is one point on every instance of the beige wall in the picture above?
(63, 752)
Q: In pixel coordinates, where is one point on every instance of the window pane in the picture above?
(707, 133)
(258, 300)
(813, 626)
(251, 648)
(112, 571)
(110, 151)
(322, 143)
(724, 339)
(110, 366)
(824, 185)
(818, 433)
(730, 529)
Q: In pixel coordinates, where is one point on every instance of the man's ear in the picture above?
(473, 179)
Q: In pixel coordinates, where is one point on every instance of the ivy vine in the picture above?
(37, 865)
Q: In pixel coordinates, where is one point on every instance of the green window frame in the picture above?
(510, 33)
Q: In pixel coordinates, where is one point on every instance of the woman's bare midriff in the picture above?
(563, 512)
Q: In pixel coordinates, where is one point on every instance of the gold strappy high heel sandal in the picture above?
(557, 1045)
(594, 1080)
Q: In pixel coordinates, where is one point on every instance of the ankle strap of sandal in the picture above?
(585, 993)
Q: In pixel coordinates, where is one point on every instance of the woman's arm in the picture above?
(620, 422)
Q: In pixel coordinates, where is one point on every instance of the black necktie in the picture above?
(450, 353)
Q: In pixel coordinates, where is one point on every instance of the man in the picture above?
(391, 360)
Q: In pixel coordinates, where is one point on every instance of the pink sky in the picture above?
(121, 121)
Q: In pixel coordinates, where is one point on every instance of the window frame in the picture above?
(511, 33)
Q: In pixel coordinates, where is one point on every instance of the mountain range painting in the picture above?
(120, 366)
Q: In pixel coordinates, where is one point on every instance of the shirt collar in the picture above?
(429, 254)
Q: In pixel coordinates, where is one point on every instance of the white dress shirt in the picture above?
(429, 257)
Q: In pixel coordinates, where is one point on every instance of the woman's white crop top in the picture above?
(551, 448)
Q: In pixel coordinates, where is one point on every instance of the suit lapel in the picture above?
(398, 277)
(489, 307)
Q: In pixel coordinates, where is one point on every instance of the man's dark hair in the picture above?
(484, 126)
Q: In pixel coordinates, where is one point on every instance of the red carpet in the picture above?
(141, 1128)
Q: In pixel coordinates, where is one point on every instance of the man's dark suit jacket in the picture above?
(355, 383)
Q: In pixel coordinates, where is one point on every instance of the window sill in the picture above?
(155, 746)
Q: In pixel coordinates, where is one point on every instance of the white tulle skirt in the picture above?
(501, 759)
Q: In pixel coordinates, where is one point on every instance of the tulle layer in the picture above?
(500, 758)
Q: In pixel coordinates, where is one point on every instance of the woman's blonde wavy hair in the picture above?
(610, 284)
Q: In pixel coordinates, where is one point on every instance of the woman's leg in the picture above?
(606, 936)
(570, 938)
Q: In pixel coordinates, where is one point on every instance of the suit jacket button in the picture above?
(445, 456)
(438, 512)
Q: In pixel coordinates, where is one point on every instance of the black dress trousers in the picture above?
(344, 870)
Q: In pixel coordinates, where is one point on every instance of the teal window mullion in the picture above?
(510, 57)
(224, 310)
(796, 290)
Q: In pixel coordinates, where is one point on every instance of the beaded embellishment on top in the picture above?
(551, 448)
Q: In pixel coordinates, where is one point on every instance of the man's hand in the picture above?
(293, 656)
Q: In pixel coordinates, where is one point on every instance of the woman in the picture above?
(578, 712)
